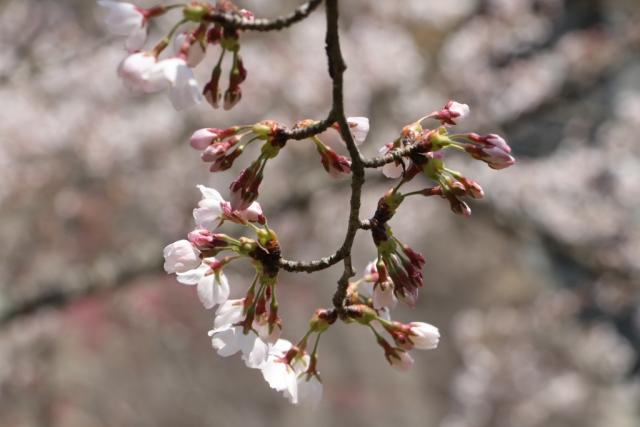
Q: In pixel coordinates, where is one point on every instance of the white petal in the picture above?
(359, 128)
(392, 170)
(254, 350)
(226, 341)
(206, 291)
(210, 193)
(180, 257)
(276, 374)
(192, 277)
(384, 298)
(220, 288)
(229, 313)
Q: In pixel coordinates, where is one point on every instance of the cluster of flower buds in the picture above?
(169, 65)
(250, 326)
(221, 147)
(427, 157)
(405, 337)
(336, 164)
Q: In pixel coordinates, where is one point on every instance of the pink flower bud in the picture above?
(244, 190)
(204, 239)
(491, 140)
(218, 150)
(473, 188)
(335, 164)
(202, 138)
(458, 206)
(494, 156)
(225, 162)
(451, 113)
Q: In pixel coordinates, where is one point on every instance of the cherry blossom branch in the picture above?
(337, 68)
(262, 24)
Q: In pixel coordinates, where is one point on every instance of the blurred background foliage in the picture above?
(536, 295)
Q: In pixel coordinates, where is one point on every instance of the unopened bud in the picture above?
(361, 313)
(322, 319)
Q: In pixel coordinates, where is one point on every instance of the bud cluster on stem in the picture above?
(251, 326)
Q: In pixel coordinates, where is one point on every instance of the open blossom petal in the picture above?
(209, 211)
(125, 19)
(424, 336)
(184, 91)
(384, 297)
(137, 73)
(230, 340)
(225, 340)
(193, 276)
(229, 313)
(253, 213)
(213, 289)
(359, 127)
(254, 350)
(180, 257)
(281, 375)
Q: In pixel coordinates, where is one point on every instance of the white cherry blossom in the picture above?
(424, 336)
(229, 313)
(184, 90)
(180, 257)
(212, 209)
(137, 73)
(213, 287)
(126, 19)
(230, 340)
(281, 375)
(383, 296)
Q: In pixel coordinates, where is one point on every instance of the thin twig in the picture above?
(395, 155)
(262, 24)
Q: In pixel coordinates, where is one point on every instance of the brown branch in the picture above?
(395, 155)
(337, 68)
(262, 24)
